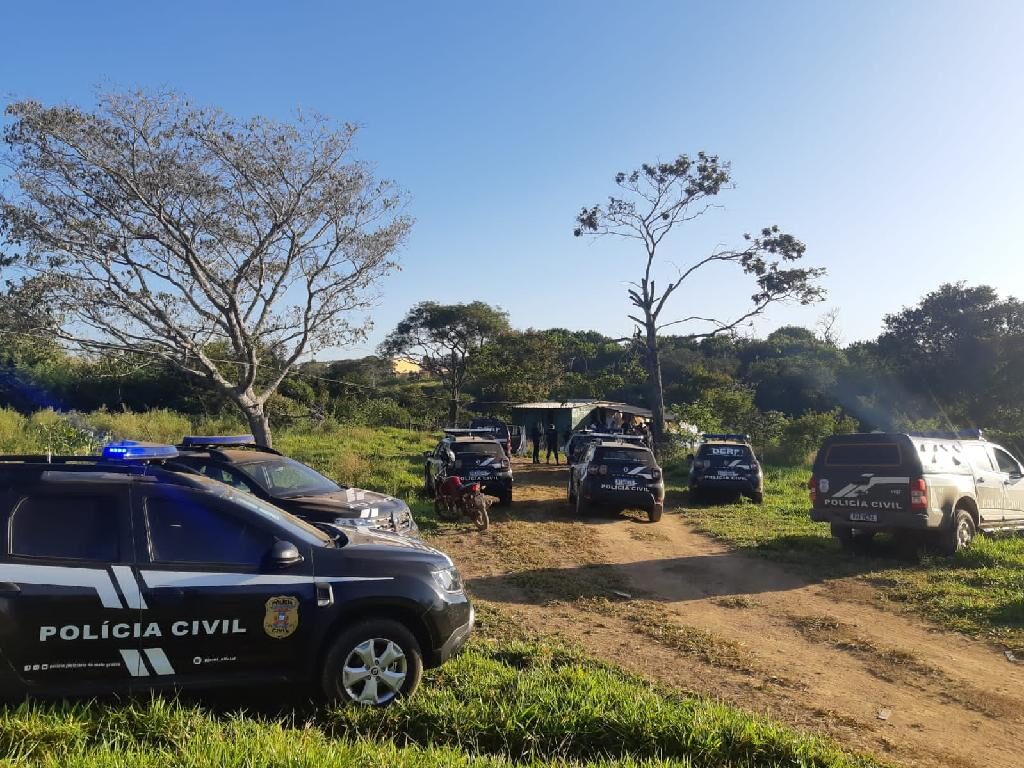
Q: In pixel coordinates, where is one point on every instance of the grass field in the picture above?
(980, 591)
(509, 700)
(506, 701)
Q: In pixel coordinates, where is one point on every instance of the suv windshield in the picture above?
(301, 530)
(480, 449)
(286, 478)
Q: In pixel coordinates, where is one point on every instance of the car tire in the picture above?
(506, 498)
(845, 536)
(654, 513)
(373, 663)
(582, 506)
(428, 484)
(569, 494)
(960, 534)
(696, 496)
(757, 497)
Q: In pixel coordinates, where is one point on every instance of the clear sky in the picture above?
(887, 135)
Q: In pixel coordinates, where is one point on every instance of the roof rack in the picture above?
(733, 436)
(974, 433)
(455, 431)
(215, 443)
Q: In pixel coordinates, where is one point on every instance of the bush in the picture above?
(157, 426)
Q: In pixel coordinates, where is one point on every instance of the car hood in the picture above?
(354, 503)
(373, 546)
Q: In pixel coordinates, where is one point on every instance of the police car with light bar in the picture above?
(617, 475)
(118, 574)
(294, 487)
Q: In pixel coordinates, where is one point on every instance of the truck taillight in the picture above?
(918, 494)
(812, 486)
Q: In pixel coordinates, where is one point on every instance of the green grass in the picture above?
(979, 592)
(500, 704)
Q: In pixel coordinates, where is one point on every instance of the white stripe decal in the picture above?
(129, 587)
(60, 576)
(182, 579)
(187, 579)
(133, 660)
(159, 661)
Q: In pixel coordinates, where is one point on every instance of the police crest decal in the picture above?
(282, 617)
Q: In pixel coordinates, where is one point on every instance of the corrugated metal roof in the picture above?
(555, 404)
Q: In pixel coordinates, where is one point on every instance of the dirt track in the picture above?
(680, 608)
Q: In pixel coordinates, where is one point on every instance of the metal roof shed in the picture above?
(567, 415)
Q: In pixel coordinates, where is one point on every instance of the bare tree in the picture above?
(656, 199)
(185, 234)
(828, 328)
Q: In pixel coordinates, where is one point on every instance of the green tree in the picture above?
(655, 199)
(170, 228)
(445, 340)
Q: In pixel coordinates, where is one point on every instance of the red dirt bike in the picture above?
(454, 500)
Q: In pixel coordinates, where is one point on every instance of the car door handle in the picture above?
(9, 588)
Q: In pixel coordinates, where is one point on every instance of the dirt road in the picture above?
(677, 607)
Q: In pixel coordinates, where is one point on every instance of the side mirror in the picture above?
(427, 454)
(284, 554)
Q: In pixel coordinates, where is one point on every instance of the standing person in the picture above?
(552, 438)
(617, 422)
(535, 435)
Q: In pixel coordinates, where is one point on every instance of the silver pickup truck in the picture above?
(946, 485)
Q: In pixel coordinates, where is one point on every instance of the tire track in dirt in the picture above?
(706, 620)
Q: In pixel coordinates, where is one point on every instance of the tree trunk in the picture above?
(453, 411)
(655, 391)
(259, 424)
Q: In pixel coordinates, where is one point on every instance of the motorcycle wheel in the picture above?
(444, 511)
(480, 516)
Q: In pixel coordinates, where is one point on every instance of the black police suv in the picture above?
(472, 457)
(117, 574)
(294, 487)
(725, 463)
(617, 475)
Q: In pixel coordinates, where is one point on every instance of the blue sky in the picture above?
(887, 135)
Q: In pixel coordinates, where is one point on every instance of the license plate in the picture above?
(478, 474)
(625, 483)
(864, 517)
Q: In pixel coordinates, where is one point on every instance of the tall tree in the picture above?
(445, 339)
(174, 230)
(655, 199)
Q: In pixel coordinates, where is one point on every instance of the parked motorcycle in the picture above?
(455, 499)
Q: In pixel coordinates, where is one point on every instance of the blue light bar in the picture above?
(221, 441)
(131, 450)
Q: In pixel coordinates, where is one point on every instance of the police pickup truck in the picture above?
(117, 574)
(725, 463)
(617, 476)
(943, 485)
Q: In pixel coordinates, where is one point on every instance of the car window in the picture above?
(863, 455)
(1006, 462)
(185, 529)
(287, 478)
(479, 449)
(226, 476)
(82, 527)
(625, 455)
(979, 457)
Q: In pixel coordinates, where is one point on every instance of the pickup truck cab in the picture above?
(944, 485)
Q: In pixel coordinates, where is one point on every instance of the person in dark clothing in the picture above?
(535, 435)
(552, 440)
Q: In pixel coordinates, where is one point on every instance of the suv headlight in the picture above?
(448, 579)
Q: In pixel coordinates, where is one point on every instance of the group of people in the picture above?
(613, 422)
